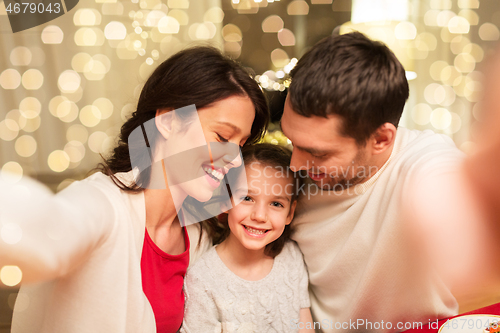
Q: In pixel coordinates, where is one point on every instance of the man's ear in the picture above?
(164, 122)
(382, 139)
(289, 218)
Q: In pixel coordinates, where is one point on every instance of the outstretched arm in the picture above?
(48, 235)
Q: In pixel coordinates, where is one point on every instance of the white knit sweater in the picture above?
(79, 252)
(360, 264)
(217, 300)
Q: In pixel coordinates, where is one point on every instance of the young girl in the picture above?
(255, 280)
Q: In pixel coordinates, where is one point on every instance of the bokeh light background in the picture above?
(67, 86)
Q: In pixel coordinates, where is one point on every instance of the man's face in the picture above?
(332, 161)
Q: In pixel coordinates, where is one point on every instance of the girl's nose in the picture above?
(259, 214)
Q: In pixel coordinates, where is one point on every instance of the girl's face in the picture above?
(202, 151)
(261, 216)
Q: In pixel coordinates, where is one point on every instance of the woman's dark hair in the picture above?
(354, 77)
(276, 157)
(200, 76)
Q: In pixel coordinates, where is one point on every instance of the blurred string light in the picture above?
(276, 80)
(32, 79)
(150, 31)
(21, 56)
(58, 161)
(275, 136)
(444, 23)
(387, 21)
(10, 275)
(297, 7)
(456, 78)
(25, 146)
(10, 79)
(11, 172)
(52, 34)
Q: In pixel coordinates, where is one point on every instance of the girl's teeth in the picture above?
(255, 231)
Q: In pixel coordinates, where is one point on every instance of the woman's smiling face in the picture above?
(200, 152)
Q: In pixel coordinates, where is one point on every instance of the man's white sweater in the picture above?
(362, 267)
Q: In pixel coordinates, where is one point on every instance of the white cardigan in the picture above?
(79, 252)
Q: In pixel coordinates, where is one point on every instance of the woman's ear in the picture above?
(289, 218)
(163, 121)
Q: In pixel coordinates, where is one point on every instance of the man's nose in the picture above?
(298, 161)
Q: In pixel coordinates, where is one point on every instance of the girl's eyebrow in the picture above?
(282, 197)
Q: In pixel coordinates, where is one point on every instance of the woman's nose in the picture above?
(231, 161)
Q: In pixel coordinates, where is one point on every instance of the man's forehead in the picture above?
(294, 123)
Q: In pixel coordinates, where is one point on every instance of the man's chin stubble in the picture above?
(337, 186)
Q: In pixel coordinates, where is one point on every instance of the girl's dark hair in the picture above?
(276, 157)
(200, 76)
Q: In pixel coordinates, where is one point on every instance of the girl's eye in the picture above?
(277, 204)
(221, 138)
(246, 198)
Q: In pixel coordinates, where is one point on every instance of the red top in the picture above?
(162, 281)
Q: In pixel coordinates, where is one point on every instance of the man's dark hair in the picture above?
(354, 77)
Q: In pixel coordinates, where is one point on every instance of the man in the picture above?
(341, 114)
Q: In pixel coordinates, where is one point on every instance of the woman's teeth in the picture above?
(214, 173)
(255, 231)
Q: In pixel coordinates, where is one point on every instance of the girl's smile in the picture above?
(261, 216)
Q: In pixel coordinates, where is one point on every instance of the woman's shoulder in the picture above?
(104, 181)
(105, 184)
(100, 189)
(96, 180)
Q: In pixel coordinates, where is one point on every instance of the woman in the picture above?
(108, 254)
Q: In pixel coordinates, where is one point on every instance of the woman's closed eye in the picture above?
(221, 138)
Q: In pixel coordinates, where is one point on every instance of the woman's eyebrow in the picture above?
(234, 127)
